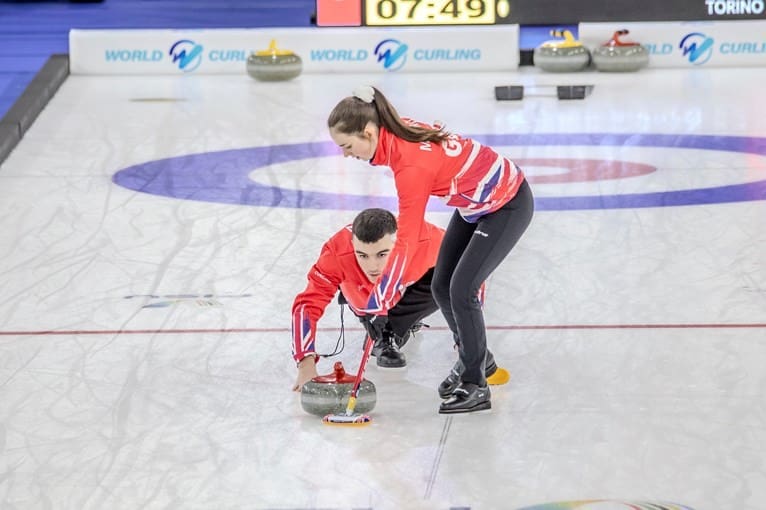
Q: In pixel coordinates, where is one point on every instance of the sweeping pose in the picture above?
(493, 207)
(351, 262)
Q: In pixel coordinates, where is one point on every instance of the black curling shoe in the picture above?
(467, 398)
(387, 353)
(450, 382)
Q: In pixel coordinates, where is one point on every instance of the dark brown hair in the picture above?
(371, 225)
(351, 115)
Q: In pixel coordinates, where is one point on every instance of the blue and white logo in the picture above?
(697, 47)
(186, 54)
(392, 53)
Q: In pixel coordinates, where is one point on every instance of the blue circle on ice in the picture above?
(223, 176)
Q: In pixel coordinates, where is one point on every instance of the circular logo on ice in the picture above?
(228, 176)
(186, 54)
(392, 53)
(697, 47)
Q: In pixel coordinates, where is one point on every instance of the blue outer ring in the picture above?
(222, 176)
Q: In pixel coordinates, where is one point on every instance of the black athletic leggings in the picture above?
(468, 255)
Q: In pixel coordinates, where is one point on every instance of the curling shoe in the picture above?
(387, 354)
(467, 398)
(450, 382)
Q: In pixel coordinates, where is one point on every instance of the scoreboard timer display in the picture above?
(402, 13)
(398, 13)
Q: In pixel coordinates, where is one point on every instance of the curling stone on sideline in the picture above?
(274, 64)
(328, 394)
(620, 56)
(561, 56)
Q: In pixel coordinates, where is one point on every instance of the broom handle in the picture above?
(369, 342)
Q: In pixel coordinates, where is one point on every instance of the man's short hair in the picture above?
(371, 225)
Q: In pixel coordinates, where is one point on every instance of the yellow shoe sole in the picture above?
(501, 376)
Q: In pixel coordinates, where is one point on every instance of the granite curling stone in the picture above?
(561, 55)
(274, 64)
(328, 394)
(620, 56)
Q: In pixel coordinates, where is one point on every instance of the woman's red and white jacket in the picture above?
(465, 174)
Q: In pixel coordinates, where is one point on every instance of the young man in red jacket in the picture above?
(352, 262)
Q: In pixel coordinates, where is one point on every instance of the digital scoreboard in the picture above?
(402, 13)
(398, 13)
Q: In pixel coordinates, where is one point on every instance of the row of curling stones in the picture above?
(328, 394)
(274, 64)
(567, 54)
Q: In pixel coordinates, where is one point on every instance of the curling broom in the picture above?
(349, 417)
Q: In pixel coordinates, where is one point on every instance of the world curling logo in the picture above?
(392, 54)
(697, 47)
(186, 54)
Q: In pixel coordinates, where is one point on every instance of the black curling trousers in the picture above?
(416, 304)
(469, 253)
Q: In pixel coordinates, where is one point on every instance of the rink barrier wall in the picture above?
(690, 44)
(20, 117)
(737, 43)
(322, 50)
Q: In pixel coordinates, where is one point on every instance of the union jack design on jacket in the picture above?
(337, 268)
(464, 173)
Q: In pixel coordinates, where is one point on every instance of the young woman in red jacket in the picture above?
(493, 207)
